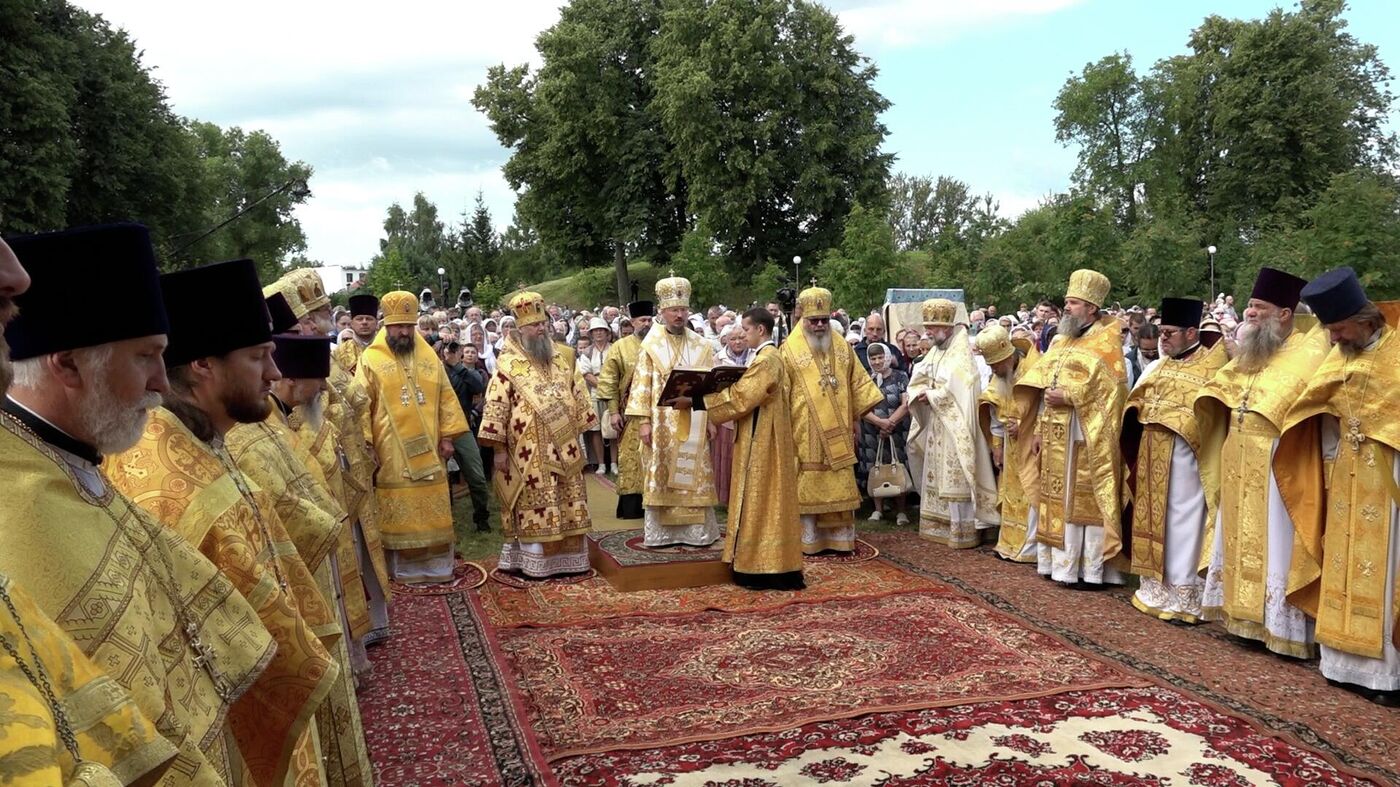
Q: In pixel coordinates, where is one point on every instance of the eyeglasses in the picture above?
(1168, 333)
(818, 320)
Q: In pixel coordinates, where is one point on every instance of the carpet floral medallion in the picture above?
(554, 604)
(1127, 736)
(646, 681)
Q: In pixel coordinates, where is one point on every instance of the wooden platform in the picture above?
(630, 567)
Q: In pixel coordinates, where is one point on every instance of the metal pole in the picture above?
(1212, 277)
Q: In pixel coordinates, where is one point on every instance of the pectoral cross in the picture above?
(1354, 437)
(203, 657)
(1241, 411)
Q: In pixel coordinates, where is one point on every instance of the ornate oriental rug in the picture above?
(641, 681)
(552, 604)
(1280, 694)
(465, 576)
(1129, 736)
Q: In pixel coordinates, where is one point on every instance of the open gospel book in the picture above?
(696, 383)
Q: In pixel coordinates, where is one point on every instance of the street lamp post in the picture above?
(442, 284)
(797, 271)
(1210, 252)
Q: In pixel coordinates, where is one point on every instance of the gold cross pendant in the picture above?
(1354, 435)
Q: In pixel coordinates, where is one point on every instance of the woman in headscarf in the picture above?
(590, 365)
(888, 423)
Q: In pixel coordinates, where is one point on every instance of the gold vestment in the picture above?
(764, 534)
(106, 573)
(1338, 572)
(116, 742)
(676, 472)
(347, 354)
(412, 409)
(997, 402)
(535, 414)
(1072, 481)
(183, 483)
(614, 385)
(1161, 408)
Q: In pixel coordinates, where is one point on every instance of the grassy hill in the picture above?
(588, 288)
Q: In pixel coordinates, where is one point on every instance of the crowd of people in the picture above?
(202, 523)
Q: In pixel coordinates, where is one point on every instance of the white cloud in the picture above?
(900, 23)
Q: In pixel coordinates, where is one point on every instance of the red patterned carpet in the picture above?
(1135, 736)
(639, 682)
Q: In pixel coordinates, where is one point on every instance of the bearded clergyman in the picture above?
(998, 419)
(1071, 414)
(614, 386)
(1161, 438)
(957, 488)
(134, 676)
(829, 393)
(678, 491)
(1343, 435)
(1248, 546)
(536, 409)
(414, 416)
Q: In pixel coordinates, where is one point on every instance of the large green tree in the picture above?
(1103, 111)
(773, 119)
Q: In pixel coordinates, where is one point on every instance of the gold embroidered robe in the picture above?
(1072, 481)
(677, 477)
(953, 467)
(996, 402)
(1161, 408)
(764, 534)
(415, 508)
(346, 354)
(347, 407)
(1249, 412)
(109, 729)
(536, 414)
(614, 385)
(1339, 568)
(99, 567)
(182, 482)
(823, 426)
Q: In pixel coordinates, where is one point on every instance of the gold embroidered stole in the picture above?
(1078, 482)
(1339, 568)
(831, 410)
(413, 423)
(1163, 404)
(687, 426)
(997, 401)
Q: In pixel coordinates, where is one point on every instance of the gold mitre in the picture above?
(309, 286)
(995, 344)
(1087, 285)
(939, 312)
(400, 308)
(290, 294)
(815, 301)
(672, 291)
(528, 308)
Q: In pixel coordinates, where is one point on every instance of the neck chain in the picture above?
(39, 677)
(1354, 436)
(202, 656)
(408, 374)
(232, 469)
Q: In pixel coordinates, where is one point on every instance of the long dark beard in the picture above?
(246, 407)
(1256, 344)
(401, 345)
(642, 332)
(1349, 348)
(539, 348)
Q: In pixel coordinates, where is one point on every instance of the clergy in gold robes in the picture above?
(414, 416)
(1248, 546)
(138, 600)
(1342, 437)
(185, 472)
(1161, 438)
(830, 392)
(956, 485)
(536, 410)
(299, 420)
(678, 482)
(364, 323)
(1071, 409)
(763, 542)
(999, 421)
(65, 721)
(614, 385)
(347, 412)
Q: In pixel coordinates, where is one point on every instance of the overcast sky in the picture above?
(378, 101)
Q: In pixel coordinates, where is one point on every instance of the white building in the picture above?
(340, 277)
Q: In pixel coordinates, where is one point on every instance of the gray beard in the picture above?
(1350, 349)
(1256, 344)
(401, 345)
(1070, 326)
(818, 342)
(113, 428)
(315, 410)
(540, 348)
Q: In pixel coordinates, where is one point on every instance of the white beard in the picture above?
(818, 342)
(113, 426)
